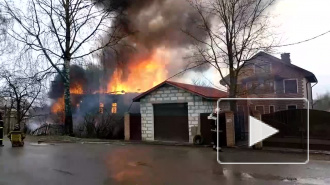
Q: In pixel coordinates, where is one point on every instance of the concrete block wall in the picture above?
(170, 94)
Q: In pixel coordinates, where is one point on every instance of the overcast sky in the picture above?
(302, 19)
(297, 20)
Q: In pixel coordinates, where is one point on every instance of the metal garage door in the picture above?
(171, 122)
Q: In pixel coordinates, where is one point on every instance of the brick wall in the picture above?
(170, 94)
(281, 71)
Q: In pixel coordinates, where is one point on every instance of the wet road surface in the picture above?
(118, 163)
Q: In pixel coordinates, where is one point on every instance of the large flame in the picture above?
(142, 76)
(58, 106)
(76, 89)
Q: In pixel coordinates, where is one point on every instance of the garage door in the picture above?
(171, 122)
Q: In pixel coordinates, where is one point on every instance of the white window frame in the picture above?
(287, 106)
(269, 108)
(290, 79)
(263, 107)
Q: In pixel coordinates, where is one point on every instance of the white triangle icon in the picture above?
(259, 131)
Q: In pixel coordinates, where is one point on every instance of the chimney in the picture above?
(285, 57)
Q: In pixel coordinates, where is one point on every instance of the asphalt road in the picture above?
(118, 163)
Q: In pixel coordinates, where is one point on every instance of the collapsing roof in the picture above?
(205, 92)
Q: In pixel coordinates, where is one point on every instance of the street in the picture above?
(120, 163)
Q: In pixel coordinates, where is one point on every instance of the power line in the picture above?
(185, 70)
(291, 44)
(295, 43)
(173, 77)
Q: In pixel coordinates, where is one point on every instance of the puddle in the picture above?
(267, 177)
(243, 175)
(311, 181)
(41, 144)
(246, 175)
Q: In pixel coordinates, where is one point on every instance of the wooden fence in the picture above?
(293, 123)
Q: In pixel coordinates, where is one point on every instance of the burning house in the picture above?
(152, 49)
(87, 99)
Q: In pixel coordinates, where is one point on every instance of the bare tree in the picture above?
(101, 125)
(322, 102)
(22, 91)
(4, 25)
(63, 31)
(236, 30)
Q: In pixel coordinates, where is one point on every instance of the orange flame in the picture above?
(76, 89)
(58, 106)
(142, 76)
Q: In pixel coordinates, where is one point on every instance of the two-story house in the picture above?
(266, 76)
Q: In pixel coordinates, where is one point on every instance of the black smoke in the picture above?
(88, 79)
(149, 25)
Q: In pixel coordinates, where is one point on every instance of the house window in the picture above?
(290, 86)
(271, 109)
(261, 87)
(260, 108)
(292, 107)
(269, 87)
(114, 108)
(101, 108)
(262, 68)
(249, 85)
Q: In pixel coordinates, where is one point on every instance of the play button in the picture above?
(259, 131)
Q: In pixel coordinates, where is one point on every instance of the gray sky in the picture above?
(302, 19)
(297, 20)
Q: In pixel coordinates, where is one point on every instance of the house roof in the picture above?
(307, 74)
(205, 92)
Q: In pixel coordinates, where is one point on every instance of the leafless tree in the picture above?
(21, 90)
(236, 30)
(4, 25)
(101, 125)
(62, 32)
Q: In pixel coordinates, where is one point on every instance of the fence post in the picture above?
(230, 128)
(257, 115)
(127, 126)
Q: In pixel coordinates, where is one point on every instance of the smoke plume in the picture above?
(152, 26)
